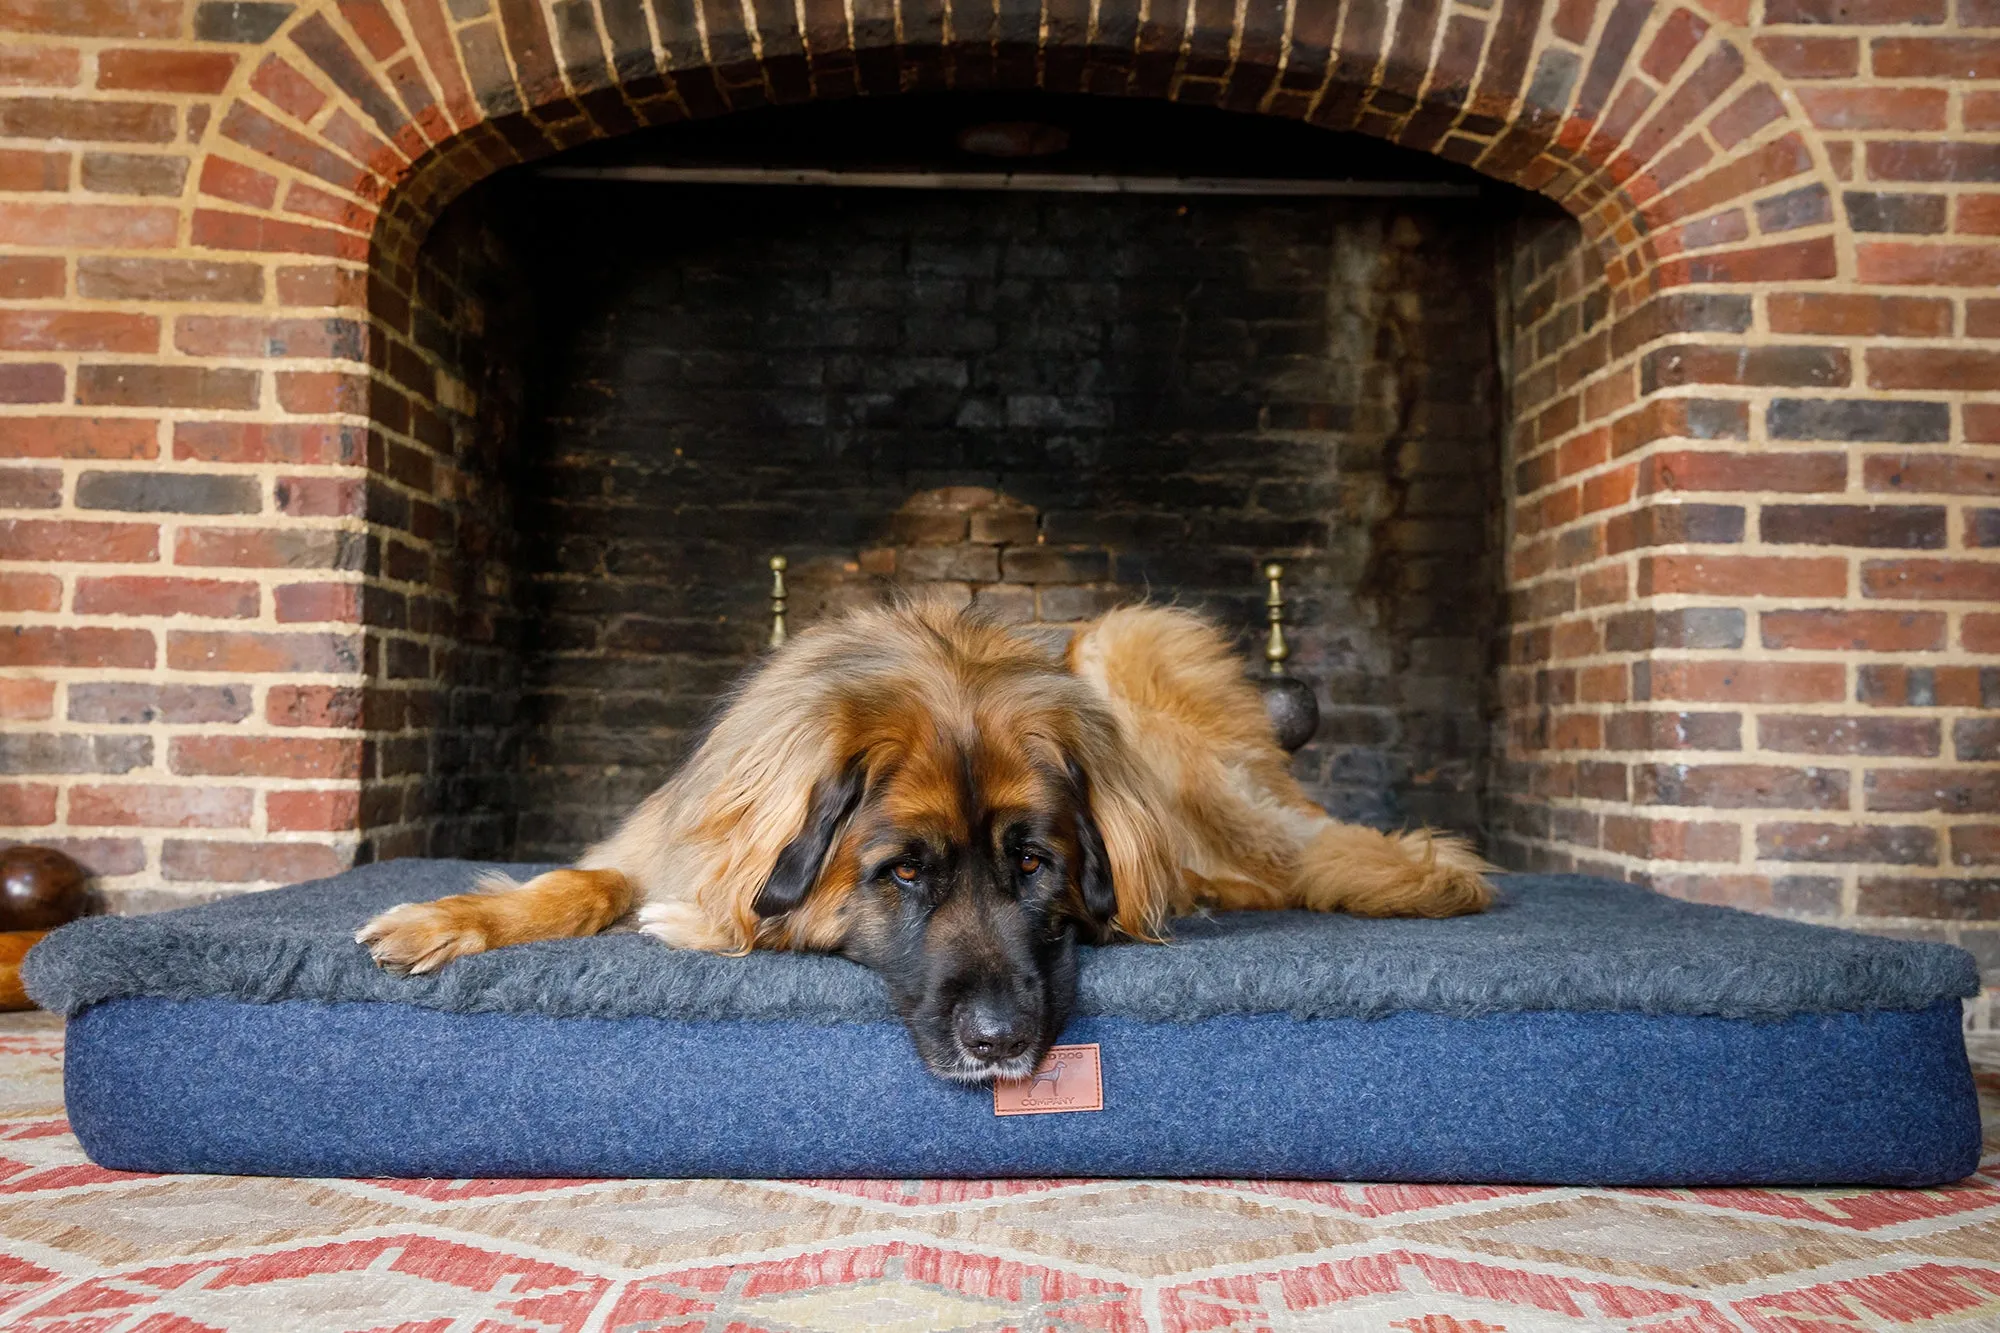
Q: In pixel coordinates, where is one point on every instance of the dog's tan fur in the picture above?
(1195, 801)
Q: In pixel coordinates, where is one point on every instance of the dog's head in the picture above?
(962, 868)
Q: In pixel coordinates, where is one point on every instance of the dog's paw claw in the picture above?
(417, 938)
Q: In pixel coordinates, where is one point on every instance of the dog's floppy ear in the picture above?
(1094, 884)
(799, 864)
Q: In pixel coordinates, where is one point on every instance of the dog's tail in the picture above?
(1348, 868)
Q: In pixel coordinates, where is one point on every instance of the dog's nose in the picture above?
(991, 1032)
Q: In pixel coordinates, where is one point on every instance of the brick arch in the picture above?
(1645, 120)
(344, 138)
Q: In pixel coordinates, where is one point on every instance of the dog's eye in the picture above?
(906, 872)
(1029, 863)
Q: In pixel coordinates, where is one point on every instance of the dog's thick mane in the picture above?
(872, 688)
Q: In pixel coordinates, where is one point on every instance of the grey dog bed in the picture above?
(1581, 1031)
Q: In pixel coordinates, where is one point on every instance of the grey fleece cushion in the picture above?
(1552, 942)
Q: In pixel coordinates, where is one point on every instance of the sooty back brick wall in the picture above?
(1042, 403)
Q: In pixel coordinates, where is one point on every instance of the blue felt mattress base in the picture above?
(1547, 1097)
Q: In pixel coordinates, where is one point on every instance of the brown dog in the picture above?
(938, 799)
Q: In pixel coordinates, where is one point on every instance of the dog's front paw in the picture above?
(423, 937)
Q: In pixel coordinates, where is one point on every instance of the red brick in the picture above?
(1742, 576)
(287, 89)
(30, 487)
(27, 277)
(1948, 474)
(309, 201)
(322, 392)
(1671, 839)
(133, 385)
(1980, 633)
(165, 71)
(30, 592)
(27, 805)
(336, 706)
(71, 539)
(1875, 844)
(65, 646)
(319, 602)
(1740, 786)
(217, 230)
(88, 226)
(252, 442)
(312, 811)
(1853, 13)
(249, 862)
(39, 383)
(1678, 36)
(1958, 791)
(1975, 845)
(1700, 470)
(142, 805)
(134, 173)
(321, 497)
(1789, 734)
(78, 437)
(89, 120)
(1981, 110)
(322, 285)
(1982, 423)
(1746, 115)
(241, 652)
(1909, 264)
(1935, 57)
(1842, 314)
(1863, 631)
(1932, 580)
(1811, 57)
(308, 757)
(40, 66)
(1933, 368)
(25, 171)
(41, 330)
(1930, 899)
(256, 336)
(23, 700)
(94, 18)
(1978, 215)
(1876, 108)
(1932, 160)
(1749, 682)
(237, 183)
(267, 548)
(1919, 687)
(135, 596)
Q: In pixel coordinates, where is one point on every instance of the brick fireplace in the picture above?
(267, 514)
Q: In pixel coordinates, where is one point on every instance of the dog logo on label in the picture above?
(1069, 1078)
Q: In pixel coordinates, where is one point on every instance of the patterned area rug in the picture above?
(84, 1250)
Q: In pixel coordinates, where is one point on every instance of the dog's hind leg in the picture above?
(1348, 868)
(422, 937)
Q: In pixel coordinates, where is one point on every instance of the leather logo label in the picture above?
(1069, 1078)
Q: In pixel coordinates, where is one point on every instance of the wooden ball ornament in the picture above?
(40, 889)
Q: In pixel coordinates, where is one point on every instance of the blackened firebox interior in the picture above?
(1189, 358)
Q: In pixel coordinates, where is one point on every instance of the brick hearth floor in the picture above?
(84, 1250)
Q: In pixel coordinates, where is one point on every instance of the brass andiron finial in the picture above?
(778, 567)
(1288, 701)
(1275, 648)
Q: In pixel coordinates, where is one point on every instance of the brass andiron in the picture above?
(1288, 701)
(778, 566)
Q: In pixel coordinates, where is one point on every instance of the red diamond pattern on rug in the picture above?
(83, 1250)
